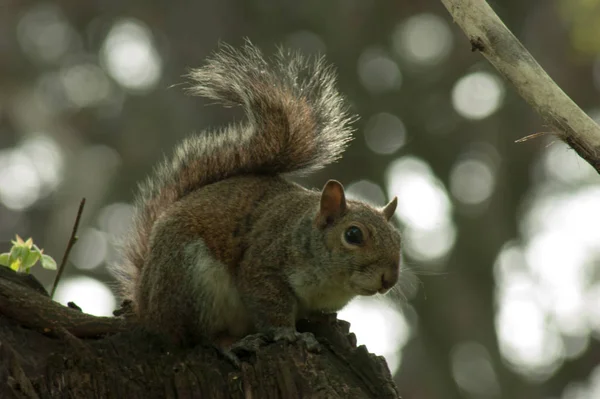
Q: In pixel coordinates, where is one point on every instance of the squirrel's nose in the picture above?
(388, 280)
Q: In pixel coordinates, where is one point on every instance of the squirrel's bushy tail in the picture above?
(297, 122)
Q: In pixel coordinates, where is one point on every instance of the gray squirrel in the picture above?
(222, 245)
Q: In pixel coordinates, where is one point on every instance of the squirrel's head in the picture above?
(360, 240)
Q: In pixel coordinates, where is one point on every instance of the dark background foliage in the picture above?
(502, 236)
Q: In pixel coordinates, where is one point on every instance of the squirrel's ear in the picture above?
(333, 203)
(389, 209)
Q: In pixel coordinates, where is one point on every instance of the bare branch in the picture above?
(488, 34)
(72, 241)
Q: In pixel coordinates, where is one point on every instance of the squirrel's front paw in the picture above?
(232, 357)
(249, 344)
(291, 335)
(252, 343)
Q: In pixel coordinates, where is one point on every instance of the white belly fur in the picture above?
(318, 294)
(222, 310)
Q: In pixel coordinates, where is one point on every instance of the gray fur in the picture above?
(297, 122)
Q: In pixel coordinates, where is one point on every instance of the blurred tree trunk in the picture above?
(51, 351)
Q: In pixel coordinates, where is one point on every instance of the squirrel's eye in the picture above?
(354, 235)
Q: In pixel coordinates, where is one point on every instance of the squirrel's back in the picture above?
(297, 122)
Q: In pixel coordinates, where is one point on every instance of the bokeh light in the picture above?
(547, 284)
(422, 199)
(19, 180)
(560, 162)
(115, 219)
(573, 213)
(45, 35)
(589, 389)
(477, 95)
(423, 39)
(429, 244)
(85, 84)
(527, 341)
(91, 249)
(379, 326)
(473, 370)
(472, 181)
(423, 207)
(130, 57)
(378, 72)
(29, 171)
(385, 133)
(89, 294)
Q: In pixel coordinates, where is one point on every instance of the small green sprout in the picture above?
(24, 254)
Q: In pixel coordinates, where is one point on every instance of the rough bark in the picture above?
(51, 351)
(488, 35)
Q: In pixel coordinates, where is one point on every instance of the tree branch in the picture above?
(22, 301)
(488, 34)
(63, 352)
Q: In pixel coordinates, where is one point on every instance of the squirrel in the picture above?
(223, 245)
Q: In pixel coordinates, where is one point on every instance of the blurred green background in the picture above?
(503, 238)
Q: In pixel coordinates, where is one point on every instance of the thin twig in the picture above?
(488, 34)
(70, 244)
(532, 136)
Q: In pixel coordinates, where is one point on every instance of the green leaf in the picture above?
(17, 252)
(4, 259)
(48, 262)
(30, 259)
(15, 264)
(24, 254)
